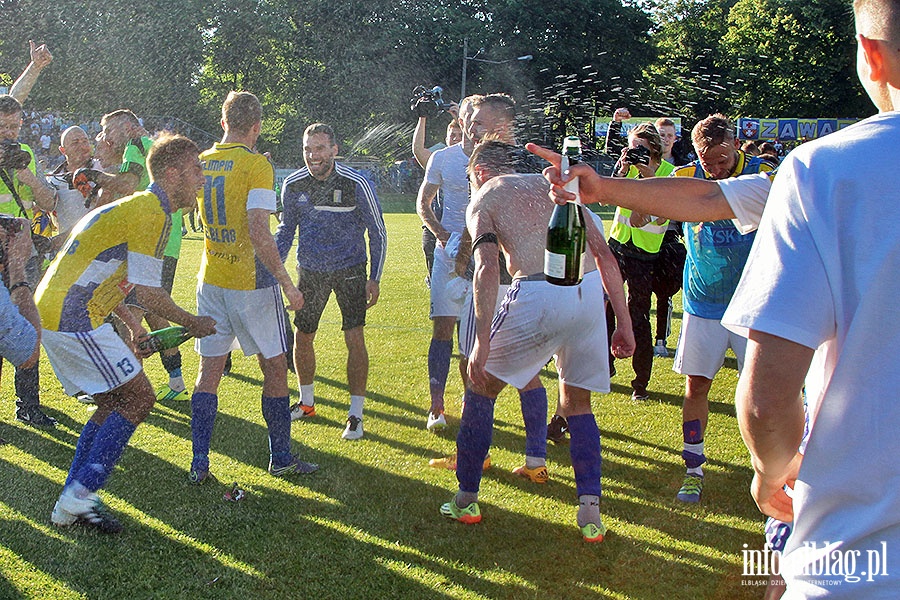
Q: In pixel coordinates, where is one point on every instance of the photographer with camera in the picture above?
(22, 187)
(635, 240)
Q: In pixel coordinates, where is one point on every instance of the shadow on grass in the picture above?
(353, 529)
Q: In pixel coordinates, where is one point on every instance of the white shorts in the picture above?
(702, 345)
(538, 320)
(466, 335)
(93, 362)
(252, 320)
(445, 299)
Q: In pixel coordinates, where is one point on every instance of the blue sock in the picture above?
(277, 413)
(439, 354)
(534, 413)
(692, 432)
(203, 416)
(82, 449)
(693, 446)
(476, 426)
(584, 448)
(109, 442)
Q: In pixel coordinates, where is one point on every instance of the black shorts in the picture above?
(349, 287)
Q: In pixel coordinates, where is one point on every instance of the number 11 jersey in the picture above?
(237, 180)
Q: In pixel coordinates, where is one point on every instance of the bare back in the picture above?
(517, 209)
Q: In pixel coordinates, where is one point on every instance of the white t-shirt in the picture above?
(447, 169)
(825, 273)
(746, 195)
(70, 206)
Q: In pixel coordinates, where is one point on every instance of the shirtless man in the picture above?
(511, 351)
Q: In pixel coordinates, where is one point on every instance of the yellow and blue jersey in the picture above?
(237, 179)
(716, 250)
(104, 257)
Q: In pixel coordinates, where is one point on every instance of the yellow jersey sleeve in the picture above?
(113, 248)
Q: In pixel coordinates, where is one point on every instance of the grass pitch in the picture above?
(367, 525)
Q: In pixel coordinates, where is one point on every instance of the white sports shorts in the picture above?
(466, 334)
(250, 320)
(538, 320)
(93, 362)
(445, 302)
(702, 345)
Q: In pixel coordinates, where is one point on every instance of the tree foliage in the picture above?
(354, 64)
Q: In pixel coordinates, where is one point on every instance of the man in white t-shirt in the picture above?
(818, 295)
(445, 172)
(71, 204)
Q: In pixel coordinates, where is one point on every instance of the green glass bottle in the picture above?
(163, 339)
(566, 236)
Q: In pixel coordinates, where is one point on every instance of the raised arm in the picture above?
(40, 58)
(419, 150)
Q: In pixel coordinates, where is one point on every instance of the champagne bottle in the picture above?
(566, 236)
(163, 339)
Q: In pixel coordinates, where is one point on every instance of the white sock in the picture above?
(356, 406)
(533, 462)
(696, 449)
(588, 510)
(177, 383)
(79, 491)
(306, 395)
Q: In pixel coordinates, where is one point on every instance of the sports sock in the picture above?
(109, 442)
(82, 449)
(439, 353)
(307, 397)
(588, 510)
(476, 427)
(203, 416)
(533, 462)
(172, 364)
(693, 447)
(463, 499)
(584, 448)
(356, 406)
(276, 411)
(534, 413)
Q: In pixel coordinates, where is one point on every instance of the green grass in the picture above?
(367, 525)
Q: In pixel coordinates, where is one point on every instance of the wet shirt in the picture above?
(237, 180)
(104, 257)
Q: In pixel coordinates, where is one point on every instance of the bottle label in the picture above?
(554, 264)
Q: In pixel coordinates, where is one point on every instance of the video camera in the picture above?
(14, 157)
(428, 102)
